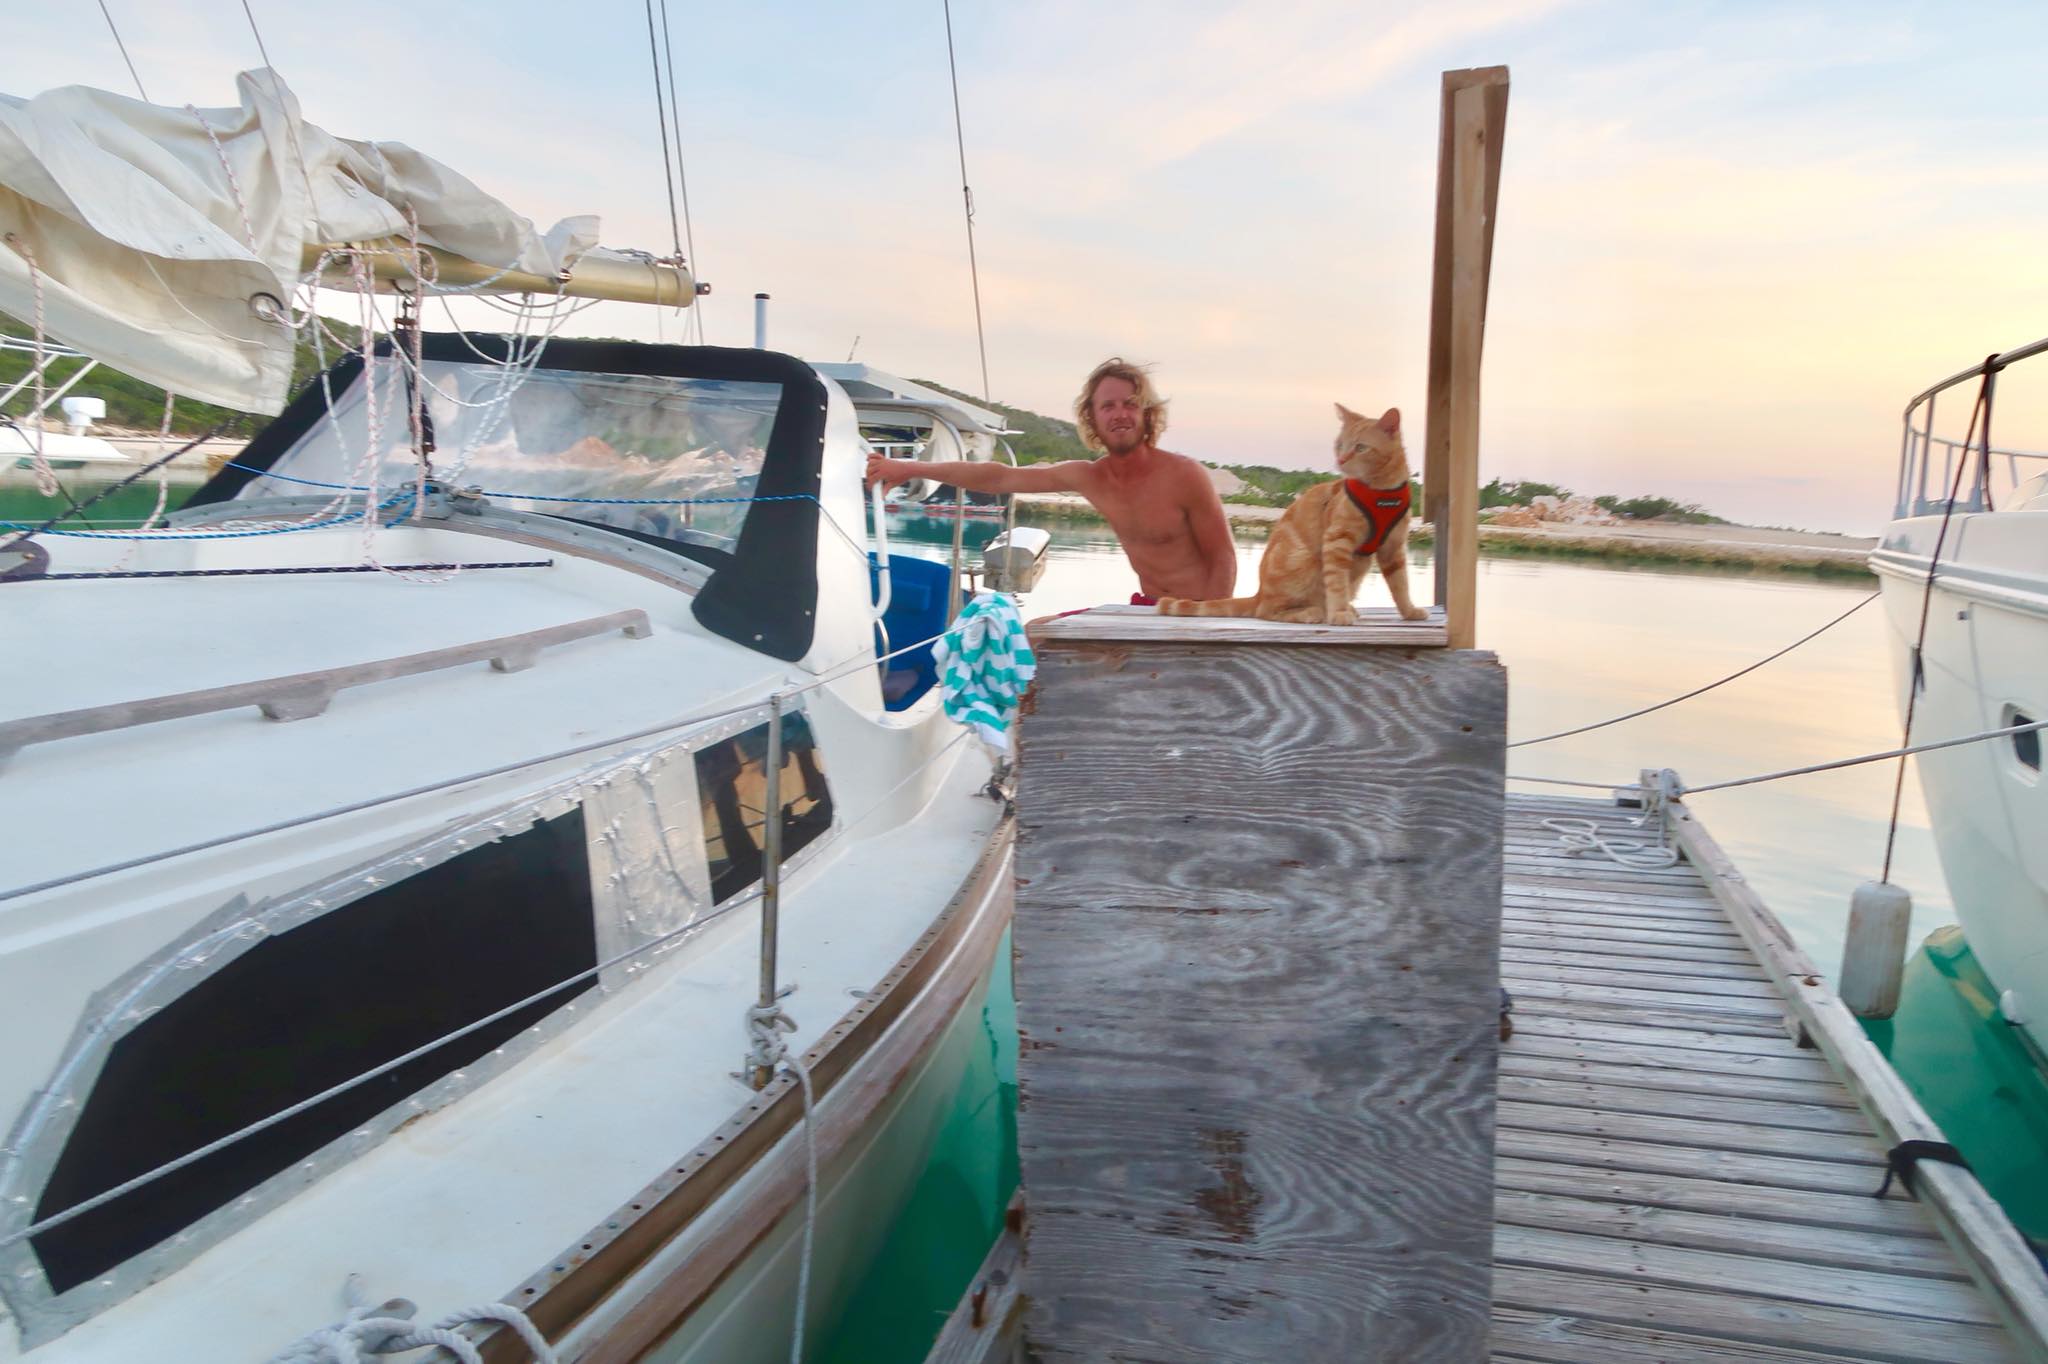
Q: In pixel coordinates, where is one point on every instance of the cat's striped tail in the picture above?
(1222, 606)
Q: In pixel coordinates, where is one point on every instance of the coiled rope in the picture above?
(387, 1328)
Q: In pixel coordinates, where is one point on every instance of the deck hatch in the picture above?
(305, 1010)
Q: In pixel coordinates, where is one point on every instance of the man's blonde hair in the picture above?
(1116, 367)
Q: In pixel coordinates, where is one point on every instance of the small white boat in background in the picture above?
(1967, 549)
(907, 420)
(414, 850)
(26, 437)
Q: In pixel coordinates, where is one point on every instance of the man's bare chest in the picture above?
(1147, 525)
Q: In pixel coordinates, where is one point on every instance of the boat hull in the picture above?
(1984, 666)
(723, 1289)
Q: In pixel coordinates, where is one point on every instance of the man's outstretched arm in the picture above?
(1068, 476)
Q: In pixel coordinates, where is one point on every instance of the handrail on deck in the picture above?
(1916, 443)
(299, 696)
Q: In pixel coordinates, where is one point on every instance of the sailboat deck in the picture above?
(1677, 1180)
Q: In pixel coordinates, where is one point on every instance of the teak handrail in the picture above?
(298, 696)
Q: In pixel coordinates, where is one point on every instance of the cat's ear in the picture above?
(1391, 422)
(1345, 414)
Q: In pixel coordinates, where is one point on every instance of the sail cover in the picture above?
(168, 242)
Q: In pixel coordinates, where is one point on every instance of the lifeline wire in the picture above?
(1856, 761)
(447, 783)
(171, 1167)
(1696, 691)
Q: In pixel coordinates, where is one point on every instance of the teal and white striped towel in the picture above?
(984, 664)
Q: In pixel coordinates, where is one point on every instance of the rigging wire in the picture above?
(668, 174)
(967, 200)
(675, 114)
(260, 48)
(124, 52)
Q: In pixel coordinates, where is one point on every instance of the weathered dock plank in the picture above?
(1743, 1204)
(1838, 1332)
(1256, 983)
(1678, 1180)
(1761, 1112)
(1749, 1236)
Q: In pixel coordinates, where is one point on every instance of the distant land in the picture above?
(1047, 439)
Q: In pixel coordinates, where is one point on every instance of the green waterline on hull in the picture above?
(1976, 1075)
(925, 1261)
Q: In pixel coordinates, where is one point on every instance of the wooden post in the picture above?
(1473, 121)
(1256, 944)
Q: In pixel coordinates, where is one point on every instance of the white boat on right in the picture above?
(1963, 567)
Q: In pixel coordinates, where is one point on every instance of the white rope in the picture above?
(1560, 781)
(766, 1024)
(1584, 836)
(766, 1050)
(387, 1328)
(234, 182)
(1872, 757)
(1861, 758)
(1698, 691)
(803, 1267)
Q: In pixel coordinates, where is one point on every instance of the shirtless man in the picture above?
(1162, 506)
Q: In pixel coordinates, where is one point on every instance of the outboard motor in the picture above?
(1015, 560)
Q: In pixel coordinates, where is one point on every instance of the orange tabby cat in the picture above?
(1320, 550)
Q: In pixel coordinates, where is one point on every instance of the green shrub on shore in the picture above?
(1658, 509)
(1518, 492)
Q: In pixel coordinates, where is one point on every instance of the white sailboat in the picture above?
(416, 852)
(1965, 559)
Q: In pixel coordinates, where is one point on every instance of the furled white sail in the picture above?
(168, 242)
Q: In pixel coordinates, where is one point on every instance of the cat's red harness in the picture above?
(1383, 508)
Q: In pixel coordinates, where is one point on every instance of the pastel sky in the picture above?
(1734, 238)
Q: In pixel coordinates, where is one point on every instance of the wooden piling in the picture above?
(1472, 124)
(1257, 939)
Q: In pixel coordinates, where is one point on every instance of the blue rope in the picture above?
(546, 497)
(353, 518)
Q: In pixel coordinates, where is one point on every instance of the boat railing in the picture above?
(1921, 491)
(43, 358)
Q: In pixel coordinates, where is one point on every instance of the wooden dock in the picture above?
(1677, 1179)
(1690, 1133)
